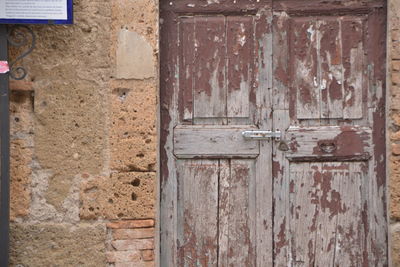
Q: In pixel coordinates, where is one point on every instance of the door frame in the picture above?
(388, 107)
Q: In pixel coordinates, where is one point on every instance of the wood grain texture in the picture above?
(305, 50)
(214, 141)
(186, 70)
(168, 119)
(324, 196)
(329, 143)
(198, 212)
(237, 204)
(210, 67)
(240, 41)
(353, 65)
(311, 69)
(341, 142)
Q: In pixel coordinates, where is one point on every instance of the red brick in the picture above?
(139, 233)
(130, 224)
(396, 65)
(136, 244)
(148, 255)
(396, 149)
(123, 256)
(135, 264)
(396, 78)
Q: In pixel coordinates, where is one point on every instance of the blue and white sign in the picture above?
(36, 11)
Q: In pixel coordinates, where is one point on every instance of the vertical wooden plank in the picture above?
(353, 63)
(281, 199)
(240, 39)
(168, 120)
(223, 214)
(284, 103)
(263, 101)
(331, 85)
(186, 69)
(198, 204)
(210, 67)
(304, 212)
(237, 213)
(281, 78)
(304, 48)
(350, 227)
(376, 202)
(330, 206)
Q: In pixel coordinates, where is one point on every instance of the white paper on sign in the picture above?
(33, 9)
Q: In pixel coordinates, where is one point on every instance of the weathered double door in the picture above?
(315, 72)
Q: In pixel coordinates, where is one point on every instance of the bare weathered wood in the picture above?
(168, 119)
(318, 194)
(303, 213)
(281, 65)
(329, 143)
(198, 212)
(353, 67)
(326, 222)
(237, 197)
(375, 211)
(263, 181)
(326, 8)
(240, 42)
(342, 219)
(186, 68)
(331, 78)
(280, 166)
(210, 67)
(213, 141)
(304, 48)
(350, 226)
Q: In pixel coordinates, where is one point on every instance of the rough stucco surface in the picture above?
(83, 135)
(394, 129)
(57, 245)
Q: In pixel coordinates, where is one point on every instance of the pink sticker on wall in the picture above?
(4, 67)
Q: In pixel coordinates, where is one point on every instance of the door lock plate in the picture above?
(262, 135)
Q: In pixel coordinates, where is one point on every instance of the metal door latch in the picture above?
(262, 135)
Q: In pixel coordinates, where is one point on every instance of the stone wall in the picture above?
(83, 135)
(394, 128)
(83, 151)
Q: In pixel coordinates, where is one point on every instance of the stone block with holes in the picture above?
(120, 196)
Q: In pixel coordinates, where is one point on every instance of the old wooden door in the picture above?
(311, 70)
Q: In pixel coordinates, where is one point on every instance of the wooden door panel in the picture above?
(216, 70)
(328, 98)
(323, 198)
(315, 71)
(215, 190)
(197, 212)
(329, 143)
(237, 245)
(240, 47)
(214, 141)
(328, 70)
(216, 212)
(210, 67)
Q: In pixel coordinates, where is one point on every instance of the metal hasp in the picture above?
(262, 135)
(5, 153)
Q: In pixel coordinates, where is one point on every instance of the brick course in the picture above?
(132, 243)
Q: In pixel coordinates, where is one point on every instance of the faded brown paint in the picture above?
(311, 70)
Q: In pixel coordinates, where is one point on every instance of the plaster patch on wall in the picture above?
(134, 56)
(41, 210)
